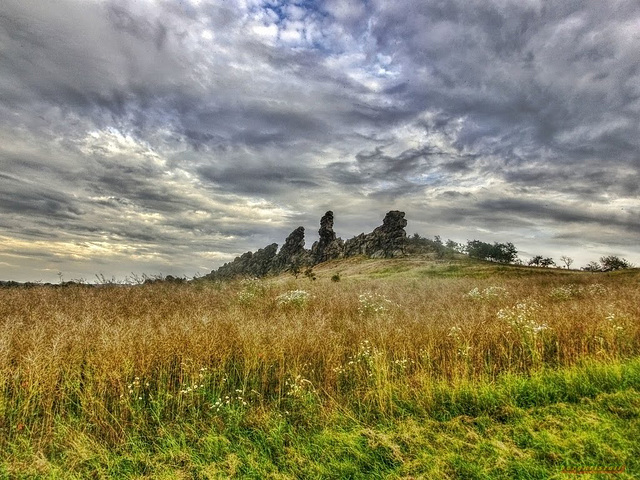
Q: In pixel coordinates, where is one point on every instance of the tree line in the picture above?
(506, 253)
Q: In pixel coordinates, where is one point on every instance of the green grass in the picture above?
(405, 368)
(528, 427)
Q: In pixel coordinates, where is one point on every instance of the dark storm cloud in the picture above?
(535, 71)
(412, 169)
(21, 198)
(259, 179)
(539, 211)
(157, 128)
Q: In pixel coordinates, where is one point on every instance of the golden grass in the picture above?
(101, 353)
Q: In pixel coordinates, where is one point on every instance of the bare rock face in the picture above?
(292, 252)
(386, 241)
(328, 246)
(249, 264)
(390, 239)
(262, 261)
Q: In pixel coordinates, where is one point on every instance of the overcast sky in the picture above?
(170, 136)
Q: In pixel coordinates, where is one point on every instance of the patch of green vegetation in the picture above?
(445, 271)
(390, 271)
(518, 427)
(469, 269)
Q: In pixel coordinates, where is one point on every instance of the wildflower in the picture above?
(454, 332)
(293, 297)
(616, 321)
(246, 297)
(252, 288)
(522, 317)
(489, 293)
(373, 303)
(463, 351)
(565, 292)
(597, 289)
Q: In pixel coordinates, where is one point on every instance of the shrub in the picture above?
(613, 262)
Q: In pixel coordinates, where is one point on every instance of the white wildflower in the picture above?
(489, 293)
(523, 318)
(373, 304)
(293, 297)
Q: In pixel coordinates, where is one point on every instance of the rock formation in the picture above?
(258, 264)
(292, 252)
(262, 260)
(328, 246)
(386, 241)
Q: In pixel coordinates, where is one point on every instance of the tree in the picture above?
(294, 268)
(478, 249)
(504, 252)
(540, 261)
(613, 262)
(535, 261)
(547, 262)
(498, 252)
(592, 267)
(420, 244)
(567, 261)
(454, 246)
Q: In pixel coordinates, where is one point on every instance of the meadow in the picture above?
(407, 368)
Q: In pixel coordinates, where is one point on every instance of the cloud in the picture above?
(184, 133)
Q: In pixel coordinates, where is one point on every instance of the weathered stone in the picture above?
(386, 241)
(328, 246)
(292, 252)
(355, 246)
(390, 239)
(262, 261)
(248, 264)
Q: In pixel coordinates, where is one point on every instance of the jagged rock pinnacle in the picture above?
(386, 241)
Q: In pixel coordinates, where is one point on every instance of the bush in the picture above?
(498, 252)
(613, 262)
(540, 261)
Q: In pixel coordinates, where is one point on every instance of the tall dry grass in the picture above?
(117, 358)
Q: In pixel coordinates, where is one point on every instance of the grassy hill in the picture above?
(403, 368)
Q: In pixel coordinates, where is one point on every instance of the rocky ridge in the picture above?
(386, 241)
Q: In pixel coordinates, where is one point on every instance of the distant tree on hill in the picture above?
(455, 246)
(567, 261)
(613, 262)
(421, 244)
(607, 264)
(498, 252)
(592, 267)
(540, 261)
(478, 249)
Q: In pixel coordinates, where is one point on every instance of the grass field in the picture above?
(405, 368)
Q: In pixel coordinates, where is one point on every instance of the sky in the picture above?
(168, 137)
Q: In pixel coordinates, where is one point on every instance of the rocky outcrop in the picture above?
(258, 264)
(387, 241)
(292, 252)
(262, 261)
(328, 246)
